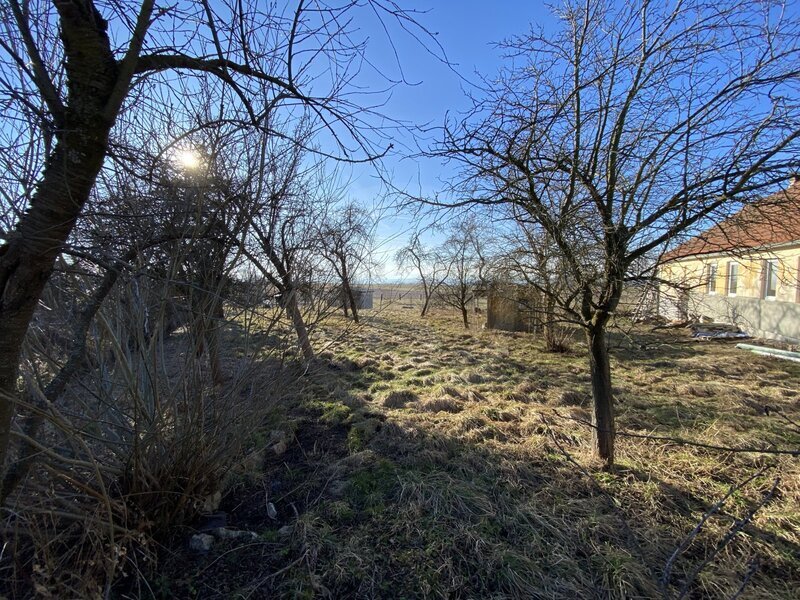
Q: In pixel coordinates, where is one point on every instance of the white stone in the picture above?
(201, 542)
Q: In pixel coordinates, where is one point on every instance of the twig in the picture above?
(275, 574)
(795, 425)
(754, 564)
(682, 442)
(694, 532)
(235, 549)
(732, 532)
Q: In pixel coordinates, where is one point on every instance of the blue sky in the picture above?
(468, 32)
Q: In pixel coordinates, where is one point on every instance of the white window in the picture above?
(711, 278)
(733, 278)
(797, 274)
(770, 279)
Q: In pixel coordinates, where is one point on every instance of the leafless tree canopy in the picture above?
(428, 264)
(346, 239)
(464, 254)
(637, 122)
(86, 88)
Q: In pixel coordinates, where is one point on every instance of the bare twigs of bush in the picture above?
(136, 445)
(737, 526)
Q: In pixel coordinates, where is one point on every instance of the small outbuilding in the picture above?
(512, 307)
(363, 298)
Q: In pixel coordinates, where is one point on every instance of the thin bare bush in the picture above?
(141, 443)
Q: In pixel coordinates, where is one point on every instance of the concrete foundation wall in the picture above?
(759, 318)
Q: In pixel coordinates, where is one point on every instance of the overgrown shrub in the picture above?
(139, 444)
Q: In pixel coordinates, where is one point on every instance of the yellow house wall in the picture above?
(777, 317)
(692, 271)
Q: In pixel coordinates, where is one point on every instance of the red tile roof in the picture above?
(770, 221)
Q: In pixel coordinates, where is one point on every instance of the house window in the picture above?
(733, 278)
(797, 285)
(711, 282)
(770, 278)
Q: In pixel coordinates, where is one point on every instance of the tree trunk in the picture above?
(353, 305)
(603, 431)
(348, 291)
(551, 341)
(54, 389)
(426, 297)
(425, 305)
(293, 308)
(465, 315)
(27, 259)
(213, 343)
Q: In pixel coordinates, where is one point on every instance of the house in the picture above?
(744, 270)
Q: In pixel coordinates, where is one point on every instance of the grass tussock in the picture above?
(480, 482)
(399, 398)
(443, 404)
(570, 398)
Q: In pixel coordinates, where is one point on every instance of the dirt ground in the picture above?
(420, 460)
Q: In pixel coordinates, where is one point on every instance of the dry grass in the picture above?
(399, 398)
(458, 466)
(443, 404)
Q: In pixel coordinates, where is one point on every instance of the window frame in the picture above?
(797, 282)
(711, 278)
(770, 270)
(732, 276)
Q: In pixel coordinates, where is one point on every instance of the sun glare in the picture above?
(188, 159)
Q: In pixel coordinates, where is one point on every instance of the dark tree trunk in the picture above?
(425, 303)
(213, 343)
(54, 389)
(426, 298)
(603, 430)
(465, 315)
(551, 340)
(288, 295)
(27, 259)
(348, 293)
(293, 308)
(353, 306)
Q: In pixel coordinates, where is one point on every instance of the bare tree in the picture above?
(282, 242)
(212, 214)
(429, 265)
(531, 259)
(69, 90)
(462, 251)
(635, 123)
(346, 243)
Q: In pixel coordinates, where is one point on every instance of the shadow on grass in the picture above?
(371, 504)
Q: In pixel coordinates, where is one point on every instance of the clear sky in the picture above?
(467, 32)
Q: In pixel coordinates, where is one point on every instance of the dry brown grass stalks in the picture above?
(139, 444)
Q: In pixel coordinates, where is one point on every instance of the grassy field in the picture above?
(420, 460)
